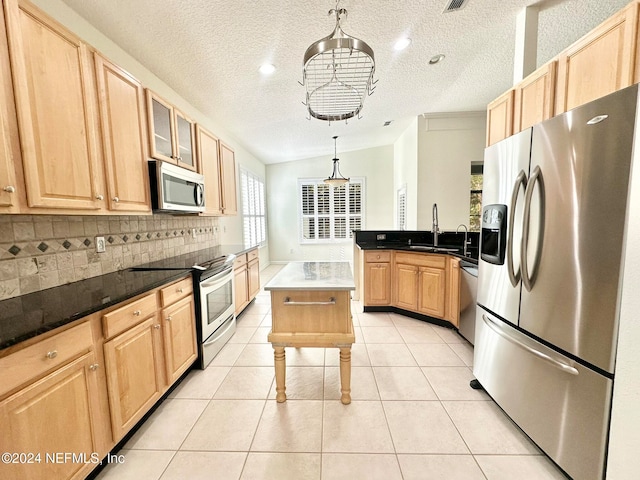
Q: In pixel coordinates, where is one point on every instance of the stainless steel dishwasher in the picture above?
(468, 288)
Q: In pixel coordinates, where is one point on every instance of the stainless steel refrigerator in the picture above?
(549, 281)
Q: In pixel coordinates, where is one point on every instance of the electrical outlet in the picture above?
(101, 246)
(193, 233)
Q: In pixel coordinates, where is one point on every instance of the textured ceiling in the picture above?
(209, 52)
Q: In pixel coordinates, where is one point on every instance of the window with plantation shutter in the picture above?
(330, 214)
(254, 215)
(402, 208)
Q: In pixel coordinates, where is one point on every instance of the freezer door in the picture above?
(506, 167)
(563, 406)
(576, 204)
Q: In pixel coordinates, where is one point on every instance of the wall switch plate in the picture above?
(101, 246)
(193, 232)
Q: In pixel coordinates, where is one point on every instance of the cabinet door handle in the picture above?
(136, 313)
(169, 318)
(52, 354)
(99, 197)
(93, 367)
(9, 189)
(116, 199)
(157, 327)
(288, 301)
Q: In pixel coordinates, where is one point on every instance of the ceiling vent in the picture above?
(455, 5)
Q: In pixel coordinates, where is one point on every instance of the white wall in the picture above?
(375, 164)
(405, 173)
(231, 227)
(447, 144)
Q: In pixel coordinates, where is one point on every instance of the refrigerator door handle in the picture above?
(521, 181)
(529, 277)
(543, 356)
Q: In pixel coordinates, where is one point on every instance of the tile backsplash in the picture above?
(44, 251)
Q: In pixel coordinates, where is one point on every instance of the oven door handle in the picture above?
(220, 332)
(215, 281)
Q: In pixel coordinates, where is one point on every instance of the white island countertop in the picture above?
(313, 276)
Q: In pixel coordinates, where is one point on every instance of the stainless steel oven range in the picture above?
(213, 290)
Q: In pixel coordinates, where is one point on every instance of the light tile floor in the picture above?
(413, 414)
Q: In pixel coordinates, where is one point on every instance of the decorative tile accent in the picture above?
(61, 250)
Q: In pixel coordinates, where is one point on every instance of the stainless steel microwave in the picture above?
(175, 189)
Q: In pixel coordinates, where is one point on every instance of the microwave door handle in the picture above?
(199, 195)
(521, 181)
(529, 277)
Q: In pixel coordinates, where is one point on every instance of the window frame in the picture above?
(331, 215)
(255, 201)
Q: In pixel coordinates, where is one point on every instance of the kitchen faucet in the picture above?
(434, 227)
(466, 232)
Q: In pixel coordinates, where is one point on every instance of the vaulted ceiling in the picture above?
(209, 51)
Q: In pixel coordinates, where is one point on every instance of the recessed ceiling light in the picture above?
(436, 58)
(267, 69)
(402, 43)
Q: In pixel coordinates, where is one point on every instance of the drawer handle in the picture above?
(93, 367)
(9, 189)
(52, 354)
(169, 318)
(136, 313)
(287, 301)
(180, 290)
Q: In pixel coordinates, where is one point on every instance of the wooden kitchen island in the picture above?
(311, 307)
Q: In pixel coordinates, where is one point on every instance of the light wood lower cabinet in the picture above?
(135, 376)
(57, 413)
(424, 283)
(179, 338)
(246, 279)
(406, 286)
(431, 291)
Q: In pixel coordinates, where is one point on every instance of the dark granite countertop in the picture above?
(445, 250)
(30, 315)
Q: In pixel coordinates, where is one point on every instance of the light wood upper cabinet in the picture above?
(171, 133)
(534, 98)
(500, 118)
(600, 63)
(179, 336)
(228, 182)
(122, 117)
(9, 144)
(55, 99)
(207, 148)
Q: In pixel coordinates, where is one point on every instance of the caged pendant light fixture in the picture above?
(336, 179)
(337, 74)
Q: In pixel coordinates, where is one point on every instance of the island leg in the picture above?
(280, 364)
(345, 374)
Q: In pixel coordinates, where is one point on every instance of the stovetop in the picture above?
(204, 263)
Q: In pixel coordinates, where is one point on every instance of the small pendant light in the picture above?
(336, 178)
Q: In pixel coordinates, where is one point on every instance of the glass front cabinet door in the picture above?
(171, 133)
